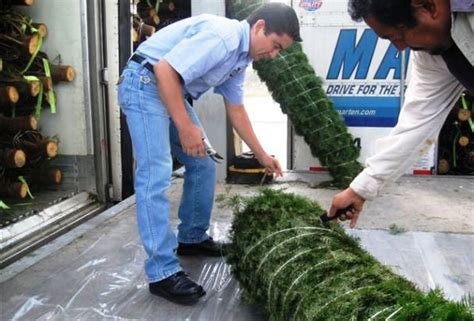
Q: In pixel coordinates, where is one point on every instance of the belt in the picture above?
(139, 59)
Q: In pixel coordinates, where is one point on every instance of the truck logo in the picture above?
(311, 5)
(365, 99)
(349, 57)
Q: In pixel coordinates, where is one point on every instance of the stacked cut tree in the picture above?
(143, 27)
(456, 140)
(154, 15)
(26, 89)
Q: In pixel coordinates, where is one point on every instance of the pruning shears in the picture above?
(213, 154)
(325, 218)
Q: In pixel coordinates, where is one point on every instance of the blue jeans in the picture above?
(154, 138)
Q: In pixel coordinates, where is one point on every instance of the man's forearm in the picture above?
(240, 121)
(171, 93)
(430, 96)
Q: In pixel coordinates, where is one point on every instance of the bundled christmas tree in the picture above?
(296, 268)
(300, 93)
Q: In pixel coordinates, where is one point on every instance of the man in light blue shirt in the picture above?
(185, 60)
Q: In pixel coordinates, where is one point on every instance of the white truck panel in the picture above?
(210, 107)
(113, 73)
(363, 74)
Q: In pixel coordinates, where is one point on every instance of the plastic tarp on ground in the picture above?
(98, 274)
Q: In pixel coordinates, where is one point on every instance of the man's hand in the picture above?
(191, 140)
(271, 165)
(240, 121)
(345, 199)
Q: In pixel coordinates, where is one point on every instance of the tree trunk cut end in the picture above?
(22, 190)
(51, 149)
(19, 158)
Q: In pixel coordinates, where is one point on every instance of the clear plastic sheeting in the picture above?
(99, 276)
(109, 295)
(430, 260)
(97, 273)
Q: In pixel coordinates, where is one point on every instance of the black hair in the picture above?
(392, 13)
(279, 18)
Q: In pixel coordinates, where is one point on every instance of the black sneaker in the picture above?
(208, 247)
(178, 288)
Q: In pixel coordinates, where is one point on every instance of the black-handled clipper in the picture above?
(325, 218)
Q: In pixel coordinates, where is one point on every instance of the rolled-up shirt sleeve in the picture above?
(431, 94)
(195, 56)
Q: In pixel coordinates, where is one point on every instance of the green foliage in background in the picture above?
(295, 268)
(294, 85)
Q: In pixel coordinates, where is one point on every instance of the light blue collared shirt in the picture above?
(207, 51)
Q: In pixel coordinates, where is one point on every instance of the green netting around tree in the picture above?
(300, 93)
(295, 268)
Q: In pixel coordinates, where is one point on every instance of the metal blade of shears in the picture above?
(211, 151)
